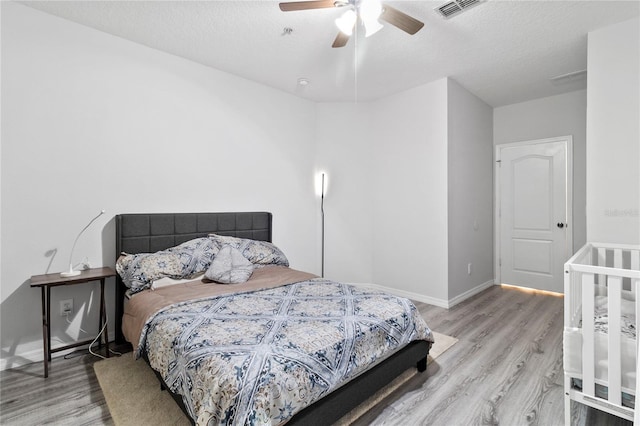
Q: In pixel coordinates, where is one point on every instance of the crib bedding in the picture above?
(573, 344)
(573, 357)
(627, 317)
(261, 355)
(601, 317)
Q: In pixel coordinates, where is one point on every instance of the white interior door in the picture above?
(534, 212)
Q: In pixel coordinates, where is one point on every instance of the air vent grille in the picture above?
(454, 7)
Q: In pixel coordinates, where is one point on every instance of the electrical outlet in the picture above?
(66, 307)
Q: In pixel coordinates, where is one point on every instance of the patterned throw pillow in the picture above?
(257, 252)
(195, 255)
(138, 271)
(229, 267)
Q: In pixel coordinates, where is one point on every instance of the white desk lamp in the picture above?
(72, 272)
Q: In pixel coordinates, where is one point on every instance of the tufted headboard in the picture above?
(151, 232)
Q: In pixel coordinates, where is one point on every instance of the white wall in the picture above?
(92, 121)
(550, 117)
(344, 152)
(409, 166)
(406, 172)
(470, 191)
(613, 134)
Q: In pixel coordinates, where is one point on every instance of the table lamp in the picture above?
(72, 272)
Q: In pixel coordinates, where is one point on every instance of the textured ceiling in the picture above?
(502, 51)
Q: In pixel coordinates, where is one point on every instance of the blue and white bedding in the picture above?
(139, 271)
(259, 357)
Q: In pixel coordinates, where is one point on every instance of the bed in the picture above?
(324, 395)
(600, 343)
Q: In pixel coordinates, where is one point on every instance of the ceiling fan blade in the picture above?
(341, 40)
(305, 5)
(401, 20)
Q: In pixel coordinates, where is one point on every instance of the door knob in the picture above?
(560, 225)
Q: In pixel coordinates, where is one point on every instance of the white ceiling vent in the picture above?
(454, 7)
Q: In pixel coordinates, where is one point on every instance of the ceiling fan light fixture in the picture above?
(370, 11)
(372, 27)
(346, 22)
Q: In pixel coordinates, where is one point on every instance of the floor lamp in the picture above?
(322, 221)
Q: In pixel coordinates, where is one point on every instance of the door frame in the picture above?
(568, 141)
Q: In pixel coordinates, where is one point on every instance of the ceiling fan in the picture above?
(370, 13)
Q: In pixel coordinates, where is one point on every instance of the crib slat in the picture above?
(617, 258)
(634, 286)
(614, 362)
(636, 413)
(568, 300)
(635, 260)
(635, 266)
(602, 256)
(602, 261)
(588, 334)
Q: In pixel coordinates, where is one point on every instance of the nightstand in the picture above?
(45, 282)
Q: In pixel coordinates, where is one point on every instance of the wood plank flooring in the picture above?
(506, 369)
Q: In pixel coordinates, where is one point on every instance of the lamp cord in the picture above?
(96, 339)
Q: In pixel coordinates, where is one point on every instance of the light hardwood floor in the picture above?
(506, 369)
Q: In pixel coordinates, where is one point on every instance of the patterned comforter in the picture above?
(260, 357)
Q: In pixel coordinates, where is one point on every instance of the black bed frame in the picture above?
(148, 233)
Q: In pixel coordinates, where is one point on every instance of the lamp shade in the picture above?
(370, 11)
(372, 27)
(347, 21)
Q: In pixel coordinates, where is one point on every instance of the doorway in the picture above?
(534, 212)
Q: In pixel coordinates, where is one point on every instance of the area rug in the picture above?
(133, 393)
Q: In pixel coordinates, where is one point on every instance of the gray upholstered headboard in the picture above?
(148, 233)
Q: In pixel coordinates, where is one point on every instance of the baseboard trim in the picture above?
(442, 303)
(20, 359)
(408, 294)
(470, 293)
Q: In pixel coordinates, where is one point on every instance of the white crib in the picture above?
(600, 344)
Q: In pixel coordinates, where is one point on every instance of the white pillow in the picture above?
(229, 267)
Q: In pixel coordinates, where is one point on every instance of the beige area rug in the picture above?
(133, 393)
